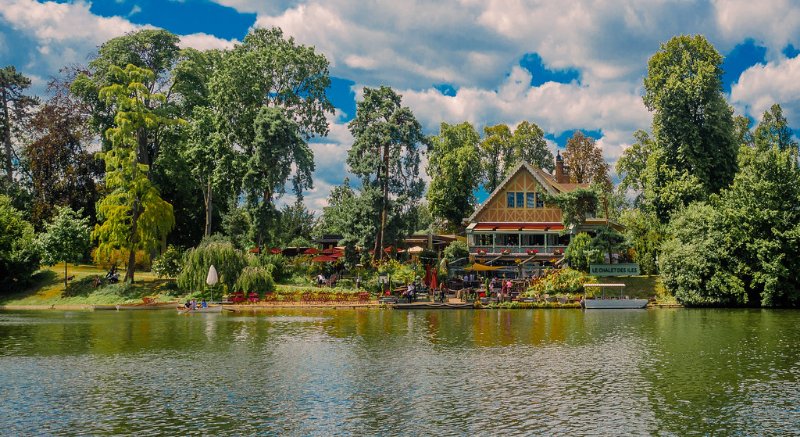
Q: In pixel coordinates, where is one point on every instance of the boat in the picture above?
(210, 309)
(100, 307)
(611, 303)
(145, 306)
(431, 306)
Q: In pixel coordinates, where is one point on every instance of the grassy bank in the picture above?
(47, 288)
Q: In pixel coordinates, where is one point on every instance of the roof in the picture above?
(544, 178)
(489, 226)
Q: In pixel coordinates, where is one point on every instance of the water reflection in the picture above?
(371, 371)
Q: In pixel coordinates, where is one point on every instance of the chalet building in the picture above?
(516, 228)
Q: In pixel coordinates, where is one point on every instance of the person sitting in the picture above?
(321, 280)
(188, 304)
(203, 304)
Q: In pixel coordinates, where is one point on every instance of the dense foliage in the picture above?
(226, 259)
(65, 239)
(19, 256)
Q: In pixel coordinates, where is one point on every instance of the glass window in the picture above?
(520, 199)
(540, 200)
(530, 201)
(510, 199)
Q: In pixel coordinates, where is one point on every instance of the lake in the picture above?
(389, 372)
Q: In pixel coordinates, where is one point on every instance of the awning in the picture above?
(481, 268)
(518, 227)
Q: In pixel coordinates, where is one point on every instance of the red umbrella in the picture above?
(434, 280)
(255, 250)
(275, 250)
(330, 250)
(427, 279)
(323, 259)
(311, 251)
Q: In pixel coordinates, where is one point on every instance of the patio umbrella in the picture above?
(275, 250)
(330, 250)
(434, 280)
(311, 251)
(323, 259)
(415, 250)
(212, 279)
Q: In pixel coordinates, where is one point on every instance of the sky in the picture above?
(564, 65)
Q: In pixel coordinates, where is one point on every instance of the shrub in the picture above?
(455, 250)
(119, 257)
(562, 281)
(281, 267)
(19, 256)
(256, 278)
(579, 254)
(169, 263)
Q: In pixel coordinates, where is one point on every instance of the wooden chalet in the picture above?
(516, 228)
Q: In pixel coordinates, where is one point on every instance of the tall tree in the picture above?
(528, 144)
(268, 70)
(133, 215)
(19, 255)
(773, 131)
(495, 151)
(65, 239)
(632, 164)
(455, 169)
(385, 153)
(692, 122)
(62, 170)
(278, 148)
(16, 106)
(585, 160)
(296, 224)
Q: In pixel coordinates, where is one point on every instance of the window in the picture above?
(520, 200)
(533, 240)
(530, 200)
(483, 239)
(540, 200)
(507, 239)
(510, 199)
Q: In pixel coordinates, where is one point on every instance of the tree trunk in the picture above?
(7, 140)
(379, 243)
(65, 275)
(209, 206)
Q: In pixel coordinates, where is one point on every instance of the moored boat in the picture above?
(611, 303)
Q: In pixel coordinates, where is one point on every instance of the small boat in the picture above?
(612, 303)
(210, 309)
(145, 306)
(100, 307)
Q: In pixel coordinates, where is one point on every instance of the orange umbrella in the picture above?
(311, 251)
(323, 259)
(434, 280)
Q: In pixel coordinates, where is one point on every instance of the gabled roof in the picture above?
(544, 178)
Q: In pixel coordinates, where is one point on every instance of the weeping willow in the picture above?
(256, 278)
(228, 261)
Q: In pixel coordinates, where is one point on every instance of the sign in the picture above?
(614, 269)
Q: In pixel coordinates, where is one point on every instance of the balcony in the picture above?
(519, 251)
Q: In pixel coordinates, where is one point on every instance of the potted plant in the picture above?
(506, 251)
(532, 251)
(481, 251)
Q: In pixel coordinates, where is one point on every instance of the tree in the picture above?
(385, 154)
(16, 108)
(278, 148)
(773, 131)
(608, 241)
(19, 256)
(495, 150)
(632, 165)
(575, 205)
(579, 253)
(65, 238)
(296, 223)
(133, 215)
(266, 70)
(692, 122)
(645, 234)
(61, 168)
(528, 144)
(455, 169)
(742, 132)
(585, 160)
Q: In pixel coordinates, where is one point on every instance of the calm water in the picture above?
(325, 372)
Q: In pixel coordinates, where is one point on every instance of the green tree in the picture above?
(608, 241)
(528, 144)
(19, 256)
(579, 253)
(385, 155)
(456, 250)
(226, 259)
(576, 206)
(296, 224)
(278, 148)
(773, 131)
(266, 70)
(65, 239)
(632, 165)
(692, 122)
(133, 216)
(645, 235)
(495, 151)
(455, 169)
(742, 132)
(16, 109)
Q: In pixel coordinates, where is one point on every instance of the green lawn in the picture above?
(642, 287)
(47, 288)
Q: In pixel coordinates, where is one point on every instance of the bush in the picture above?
(227, 260)
(281, 267)
(562, 281)
(19, 256)
(579, 254)
(455, 250)
(169, 263)
(119, 257)
(257, 279)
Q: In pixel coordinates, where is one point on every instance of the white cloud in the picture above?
(204, 41)
(762, 85)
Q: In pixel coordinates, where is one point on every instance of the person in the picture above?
(442, 294)
(188, 304)
(203, 303)
(194, 304)
(411, 292)
(320, 279)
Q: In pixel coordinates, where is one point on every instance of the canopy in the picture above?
(311, 251)
(212, 277)
(323, 259)
(415, 250)
(275, 250)
(477, 267)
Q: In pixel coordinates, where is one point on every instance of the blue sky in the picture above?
(486, 62)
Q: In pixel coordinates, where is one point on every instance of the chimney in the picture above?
(562, 174)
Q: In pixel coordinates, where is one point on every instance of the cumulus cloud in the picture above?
(204, 41)
(762, 85)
